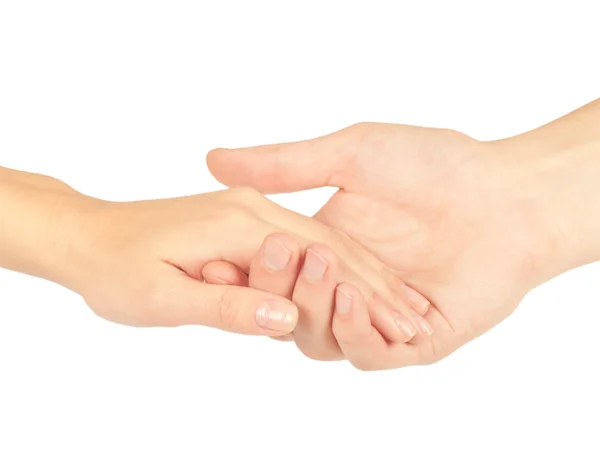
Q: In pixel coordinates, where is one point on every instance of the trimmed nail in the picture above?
(314, 266)
(276, 316)
(419, 300)
(217, 280)
(275, 255)
(404, 324)
(422, 324)
(343, 301)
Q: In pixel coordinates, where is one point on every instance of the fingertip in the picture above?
(275, 266)
(314, 294)
(210, 158)
(286, 240)
(418, 301)
(279, 253)
(224, 273)
(324, 252)
(345, 295)
(216, 164)
(277, 317)
(425, 330)
(350, 317)
(391, 324)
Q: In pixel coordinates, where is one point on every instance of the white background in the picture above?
(122, 100)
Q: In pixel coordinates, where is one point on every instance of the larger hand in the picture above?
(451, 215)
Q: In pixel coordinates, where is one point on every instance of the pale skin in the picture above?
(141, 263)
(471, 225)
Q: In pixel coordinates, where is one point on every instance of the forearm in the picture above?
(560, 164)
(40, 218)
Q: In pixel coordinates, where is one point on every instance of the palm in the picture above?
(445, 231)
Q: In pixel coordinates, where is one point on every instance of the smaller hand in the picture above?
(334, 319)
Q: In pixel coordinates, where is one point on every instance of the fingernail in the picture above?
(275, 255)
(423, 325)
(276, 316)
(217, 280)
(419, 300)
(404, 324)
(314, 266)
(343, 301)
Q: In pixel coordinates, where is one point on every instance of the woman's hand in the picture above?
(146, 259)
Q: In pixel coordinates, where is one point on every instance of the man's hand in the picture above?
(455, 218)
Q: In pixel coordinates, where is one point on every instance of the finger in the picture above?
(352, 327)
(404, 306)
(392, 325)
(360, 342)
(224, 273)
(416, 300)
(425, 329)
(275, 269)
(276, 265)
(286, 167)
(419, 303)
(230, 308)
(314, 295)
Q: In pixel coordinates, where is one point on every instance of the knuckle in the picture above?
(243, 205)
(245, 195)
(359, 129)
(227, 312)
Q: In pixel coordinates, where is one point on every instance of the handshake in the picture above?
(432, 239)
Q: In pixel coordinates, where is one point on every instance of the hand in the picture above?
(141, 263)
(451, 216)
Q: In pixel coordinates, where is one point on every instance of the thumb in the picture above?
(235, 309)
(287, 167)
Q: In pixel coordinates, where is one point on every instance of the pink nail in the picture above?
(343, 301)
(275, 255)
(278, 316)
(423, 325)
(314, 266)
(404, 325)
(419, 300)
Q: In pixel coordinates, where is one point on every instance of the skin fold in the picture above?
(471, 225)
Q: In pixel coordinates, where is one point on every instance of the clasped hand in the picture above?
(432, 239)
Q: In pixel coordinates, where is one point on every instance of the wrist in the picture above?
(45, 227)
(74, 230)
(558, 176)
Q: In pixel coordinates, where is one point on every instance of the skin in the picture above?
(141, 263)
(471, 225)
